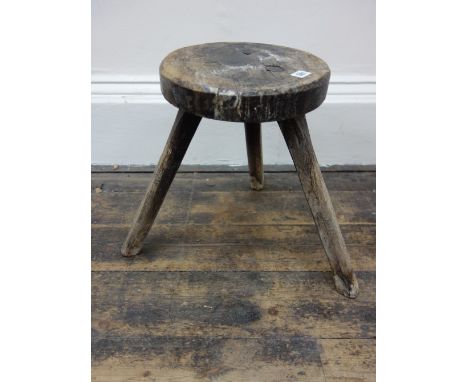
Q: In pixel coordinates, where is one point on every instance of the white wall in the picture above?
(131, 120)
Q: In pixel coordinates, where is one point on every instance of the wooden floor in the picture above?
(232, 284)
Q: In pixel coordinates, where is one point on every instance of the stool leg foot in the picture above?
(179, 139)
(253, 138)
(296, 135)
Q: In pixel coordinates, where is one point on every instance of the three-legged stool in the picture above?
(249, 83)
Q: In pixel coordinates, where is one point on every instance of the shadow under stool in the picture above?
(249, 83)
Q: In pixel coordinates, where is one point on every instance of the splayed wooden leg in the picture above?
(179, 139)
(253, 138)
(296, 134)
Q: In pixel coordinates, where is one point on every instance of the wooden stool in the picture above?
(249, 83)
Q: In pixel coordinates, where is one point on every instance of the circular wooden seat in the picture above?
(244, 82)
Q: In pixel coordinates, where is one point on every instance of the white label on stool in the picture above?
(300, 74)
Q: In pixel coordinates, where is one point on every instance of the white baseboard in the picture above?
(131, 121)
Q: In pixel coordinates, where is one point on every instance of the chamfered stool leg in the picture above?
(179, 139)
(296, 135)
(253, 139)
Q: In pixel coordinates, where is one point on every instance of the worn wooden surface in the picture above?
(216, 298)
(177, 144)
(297, 137)
(224, 168)
(226, 181)
(244, 82)
(253, 140)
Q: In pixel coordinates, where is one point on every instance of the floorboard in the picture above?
(232, 284)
